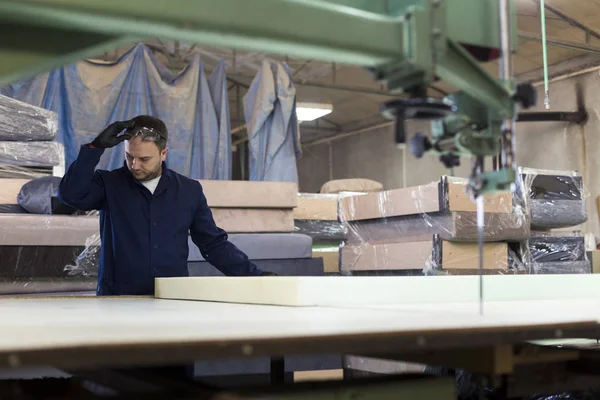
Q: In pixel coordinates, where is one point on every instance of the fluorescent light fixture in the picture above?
(312, 111)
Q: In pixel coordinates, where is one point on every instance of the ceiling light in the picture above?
(312, 111)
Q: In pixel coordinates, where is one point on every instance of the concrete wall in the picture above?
(373, 154)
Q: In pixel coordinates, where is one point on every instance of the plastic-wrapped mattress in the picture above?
(20, 121)
(557, 253)
(32, 154)
(556, 198)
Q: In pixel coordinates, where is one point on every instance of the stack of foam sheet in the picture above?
(555, 198)
(317, 217)
(432, 257)
(36, 249)
(430, 229)
(281, 253)
(251, 206)
(58, 248)
(556, 201)
(26, 139)
(443, 208)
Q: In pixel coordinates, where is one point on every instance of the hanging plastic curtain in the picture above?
(88, 96)
(220, 98)
(272, 124)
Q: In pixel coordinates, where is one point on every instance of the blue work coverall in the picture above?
(145, 235)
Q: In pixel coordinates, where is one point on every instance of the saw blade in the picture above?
(480, 226)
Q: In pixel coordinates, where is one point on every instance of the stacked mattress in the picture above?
(281, 253)
(435, 256)
(26, 139)
(556, 198)
(557, 253)
(556, 201)
(317, 217)
(429, 229)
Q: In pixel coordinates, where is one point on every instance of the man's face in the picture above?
(144, 159)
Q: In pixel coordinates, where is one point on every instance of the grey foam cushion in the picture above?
(289, 267)
(36, 195)
(264, 246)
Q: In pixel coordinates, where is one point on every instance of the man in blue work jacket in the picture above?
(146, 212)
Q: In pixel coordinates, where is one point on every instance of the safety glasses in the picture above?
(146, 133)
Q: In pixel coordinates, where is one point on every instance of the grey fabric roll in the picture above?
(36, 195)
(265, 246)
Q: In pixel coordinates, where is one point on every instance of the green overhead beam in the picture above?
(59, 32)
(302, 28)
(28, 51)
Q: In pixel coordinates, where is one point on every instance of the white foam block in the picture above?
(345, 291)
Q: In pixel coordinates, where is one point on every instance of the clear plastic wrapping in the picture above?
(20, 121)
(32, 154)
(441, 208)
(432, 229)
(556, 253)
(428, 257)
(317, 215)
(37, 253)
(556, 199)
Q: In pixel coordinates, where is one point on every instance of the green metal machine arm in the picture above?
(407, 44)
(309, 29)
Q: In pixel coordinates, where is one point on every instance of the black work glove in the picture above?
(267, 273)
(109, 137)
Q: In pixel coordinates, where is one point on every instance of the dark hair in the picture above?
(147, 121)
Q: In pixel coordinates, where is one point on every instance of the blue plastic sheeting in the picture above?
(272, 124)
(89, 96)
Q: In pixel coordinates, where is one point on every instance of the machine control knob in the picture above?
(419, 144)
(450, 160)
(526, 95)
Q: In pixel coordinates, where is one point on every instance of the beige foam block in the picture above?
(253, 220)
(347, 291)
(9, 190)
(390, 203)
(331, 260)
(319, 208)
(250, 194)
(392, 256)
(419, 200)
(48, 230)
(465, 256)
(418, 255)
(321, 375)
(459, 199)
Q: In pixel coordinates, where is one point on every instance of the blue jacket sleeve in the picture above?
(82, 187)
(215, 246)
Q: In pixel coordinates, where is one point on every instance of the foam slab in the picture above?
(447, 195)
(249, 220)
(250, 194)
(9, 190)
(46, 230)
(347, 291)
(264, 246)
